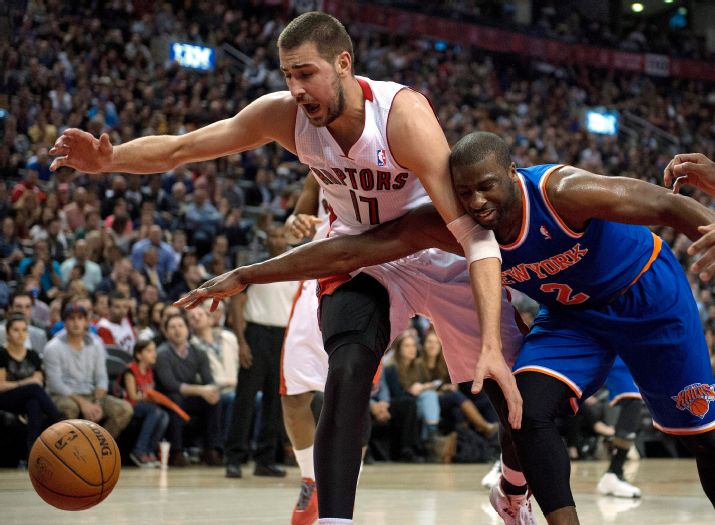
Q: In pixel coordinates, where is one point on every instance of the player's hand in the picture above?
(245, 355)
(220, 287)
(690, 168)
(705, 245)
(80, 150)
(491, 364)
(300, 226)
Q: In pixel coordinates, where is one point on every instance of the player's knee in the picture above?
(352, 364)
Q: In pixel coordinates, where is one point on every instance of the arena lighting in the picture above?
(636, 7)
(668, 1)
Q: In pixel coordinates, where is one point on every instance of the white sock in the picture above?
(514, 477)
(305, 462)
(334, 521)
(359, 474)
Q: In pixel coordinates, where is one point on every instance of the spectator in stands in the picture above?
(116, 330)
(27, 185)
(260, 317)
(166, 257)
(150, 271)
(77, 380)
(203, 220)
(406, 376)
(455, 407)
(50, 278)
(76, 211)
(221, 347)
(183, 373)
(21, 381)
(121, 270)
(399, 416)
(138, 381)
(21, 303)
(9, 243)
(92, 275)
(220, 250)
(261, 194)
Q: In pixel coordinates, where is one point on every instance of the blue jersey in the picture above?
(557, 266)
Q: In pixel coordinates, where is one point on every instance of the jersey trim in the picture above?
(553, 373)
(525, 217)
(542, 187)
(387, 128)
(685, 431)
(657, 245)
(366, 89)
(625, 395)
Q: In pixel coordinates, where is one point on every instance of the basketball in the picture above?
(74, 464)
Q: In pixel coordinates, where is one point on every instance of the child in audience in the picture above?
(138, 382)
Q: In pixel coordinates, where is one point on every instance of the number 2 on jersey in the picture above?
(371, 205)
(564, 293)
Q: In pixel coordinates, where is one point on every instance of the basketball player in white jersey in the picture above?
(378, 151)
(304, 362)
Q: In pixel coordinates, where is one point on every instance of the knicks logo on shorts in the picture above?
(695, 399)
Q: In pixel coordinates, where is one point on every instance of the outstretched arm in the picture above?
(578, 195)
(271, 117)
(421, 228)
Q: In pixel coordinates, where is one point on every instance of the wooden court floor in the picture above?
(388, 494)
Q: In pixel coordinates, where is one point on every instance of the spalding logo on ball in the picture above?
(74, 464)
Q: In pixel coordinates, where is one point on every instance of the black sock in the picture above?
(512, 490)
(618, 458)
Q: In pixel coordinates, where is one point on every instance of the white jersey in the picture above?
(366, 186)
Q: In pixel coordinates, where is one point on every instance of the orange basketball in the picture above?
(699, 406)
(74, 464)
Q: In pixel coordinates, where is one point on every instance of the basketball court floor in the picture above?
(393, 494)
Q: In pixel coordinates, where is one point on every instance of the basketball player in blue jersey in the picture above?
(378, 151)
(606, 286)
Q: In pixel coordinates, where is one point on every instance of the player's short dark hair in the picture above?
(325, 31)
(21, 293)
(475, 147)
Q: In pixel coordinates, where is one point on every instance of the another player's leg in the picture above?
(542, 453)
(355, 321)
(703, 448)
(300, 426)
(509, 494)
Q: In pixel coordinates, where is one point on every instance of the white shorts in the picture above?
(304, 362)
(435, 284)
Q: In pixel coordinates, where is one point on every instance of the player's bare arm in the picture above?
(268, 118)
(334, 256)
(578, 195)
(418, 143)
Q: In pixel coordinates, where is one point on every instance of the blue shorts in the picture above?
(654, 327)
(620, 384)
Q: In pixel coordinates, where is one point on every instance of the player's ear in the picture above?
(344, 64)
(512, 171)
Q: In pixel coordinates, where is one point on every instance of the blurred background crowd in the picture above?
(118, 249)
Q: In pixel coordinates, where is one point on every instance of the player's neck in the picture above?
(348, 127)
(509, 232)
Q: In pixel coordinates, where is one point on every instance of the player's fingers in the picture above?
(668, 174)
(704, 242)
(75, 133)
(679, 183)
(688, 168)
(316, 220)
(185, 299)
(58, 163)
(478, 381)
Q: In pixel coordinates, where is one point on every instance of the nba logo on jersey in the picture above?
(544, 232)
(381, 159)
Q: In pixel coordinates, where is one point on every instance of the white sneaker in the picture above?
(514, 510)
(612, 485)
(491, 478)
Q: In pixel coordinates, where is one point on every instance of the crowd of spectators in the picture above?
(120, 248)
